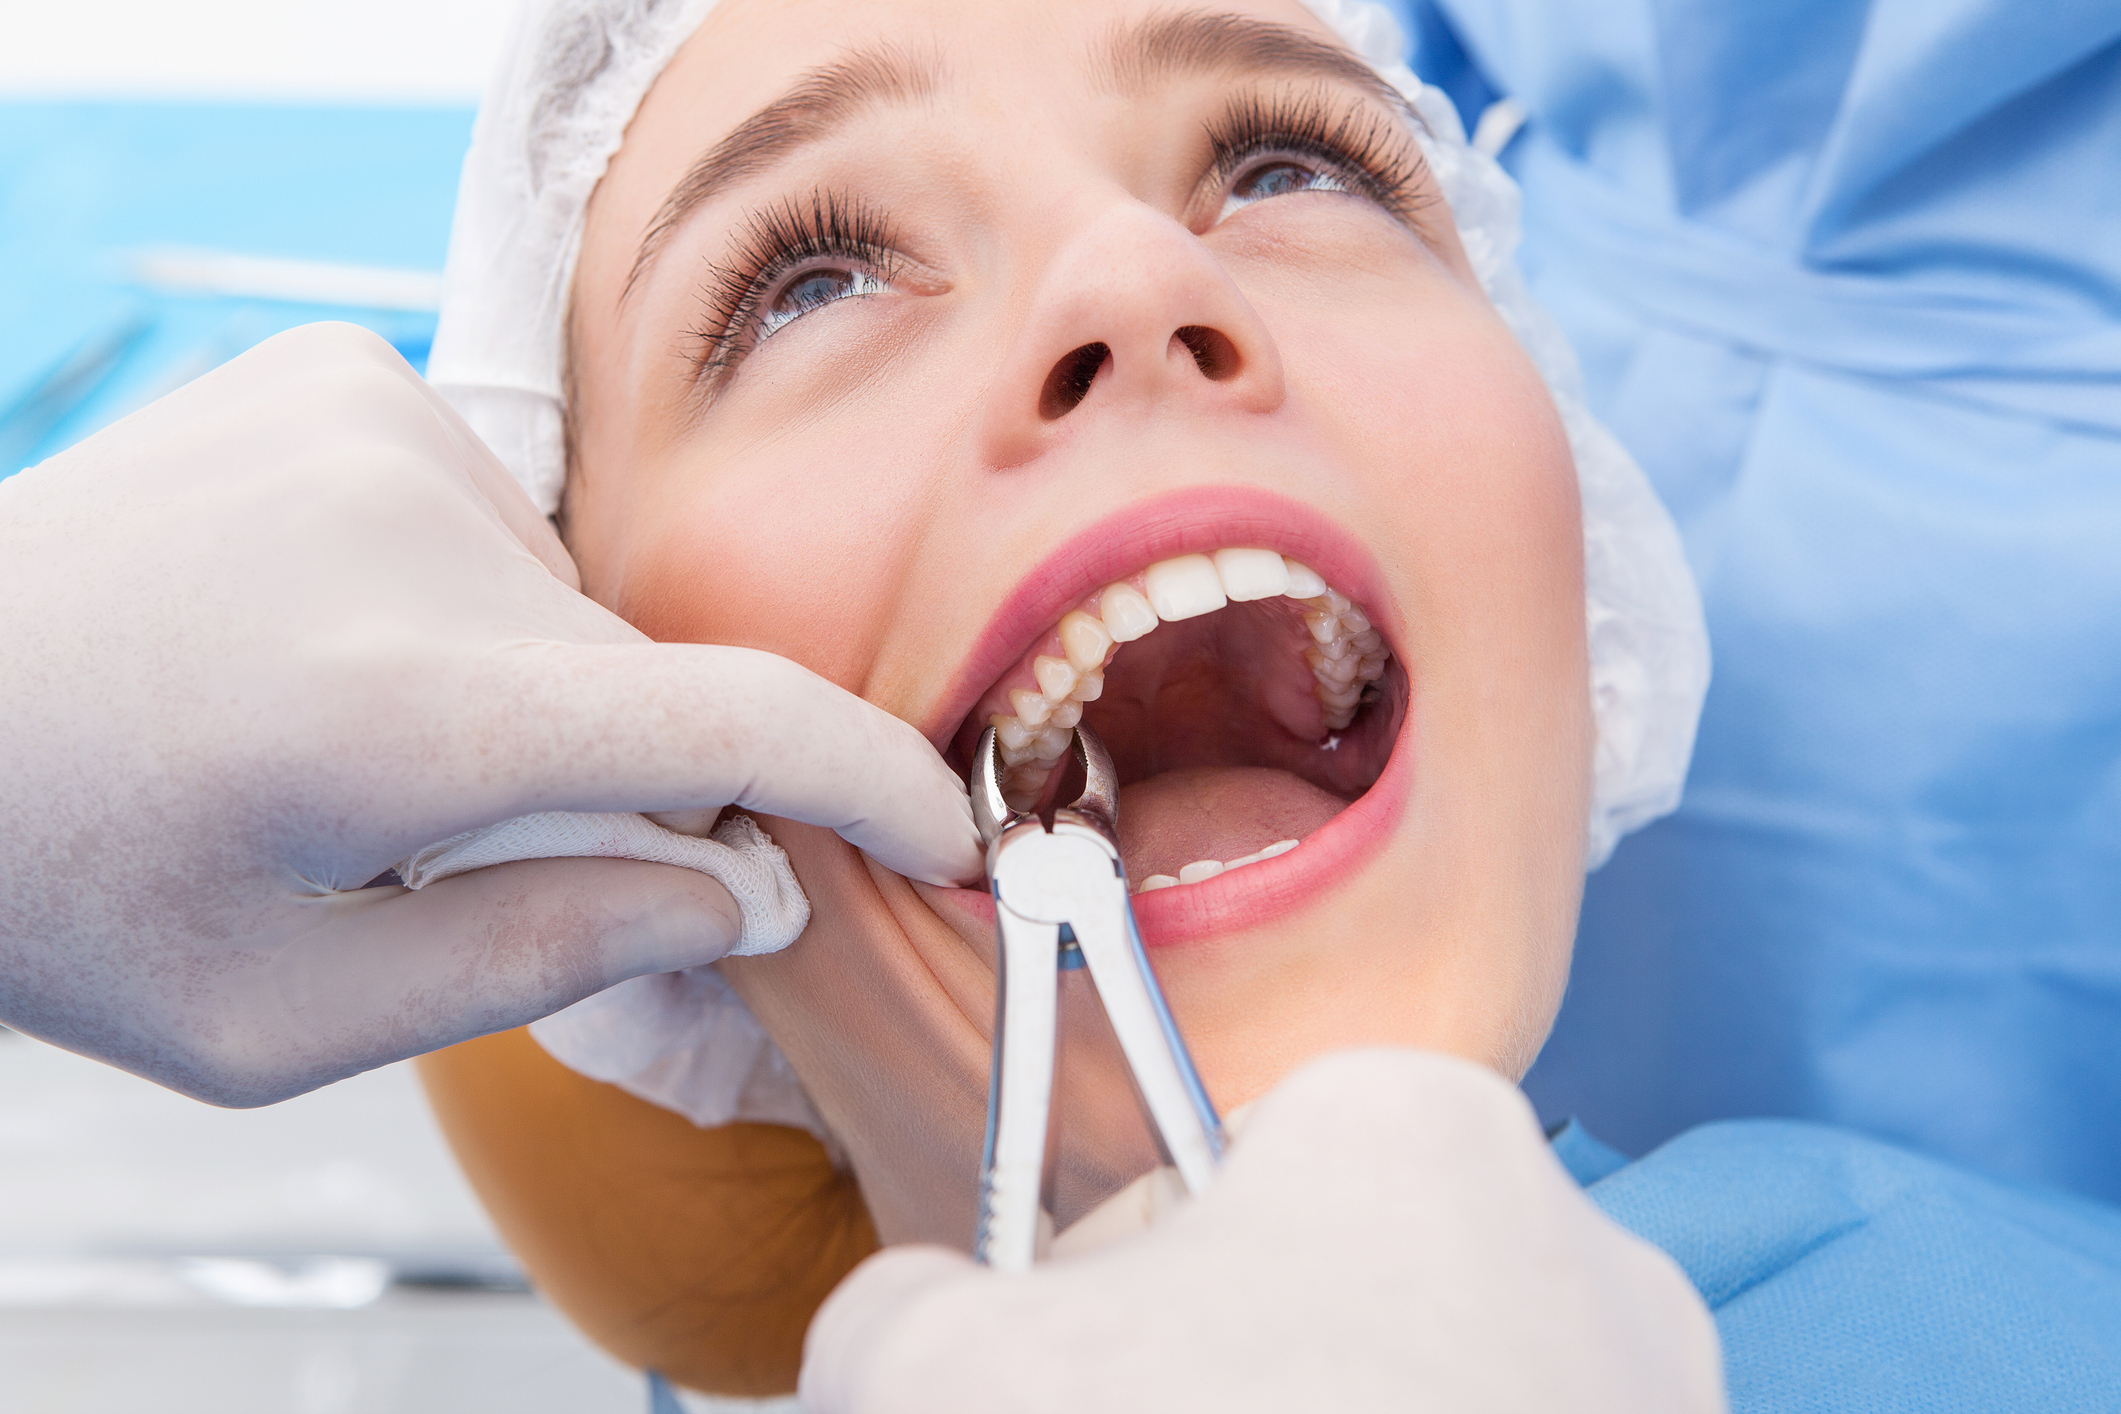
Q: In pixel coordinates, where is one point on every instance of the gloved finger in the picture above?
(861, 1326)
(383, 974)
(487, 475)
(348, 374)
(1357, 1131)
(686, 726)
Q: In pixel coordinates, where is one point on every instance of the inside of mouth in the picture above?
(1244, 701)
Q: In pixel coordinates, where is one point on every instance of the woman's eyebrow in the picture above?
(1136, 57)
(816, 105)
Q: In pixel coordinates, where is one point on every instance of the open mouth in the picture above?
(1245, 702)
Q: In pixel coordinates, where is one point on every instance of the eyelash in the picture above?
(776, 241)
(1358, 145)
(1372, 153)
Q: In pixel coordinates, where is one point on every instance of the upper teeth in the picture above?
(1346, 654)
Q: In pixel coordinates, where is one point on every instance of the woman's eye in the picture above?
(814, 289)
(1281, 177)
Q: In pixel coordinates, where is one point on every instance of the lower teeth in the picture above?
(1202, 869)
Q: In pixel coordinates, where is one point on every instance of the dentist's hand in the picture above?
(1391, 1232)
(269, 636)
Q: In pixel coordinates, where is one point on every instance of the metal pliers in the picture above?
(1061, 902)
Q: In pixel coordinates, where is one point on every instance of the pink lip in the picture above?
(1175, 523)
(1180, 523)
(1257, 894)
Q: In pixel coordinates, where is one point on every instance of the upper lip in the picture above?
(1187, 521)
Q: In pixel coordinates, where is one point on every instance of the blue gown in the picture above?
(1846, 277)
(1849, 1276)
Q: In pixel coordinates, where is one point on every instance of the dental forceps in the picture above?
(1061, 902)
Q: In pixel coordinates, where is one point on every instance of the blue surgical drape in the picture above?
(1847, 279)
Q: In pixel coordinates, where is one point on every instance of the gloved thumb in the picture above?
(381, 974)
(862, 1325)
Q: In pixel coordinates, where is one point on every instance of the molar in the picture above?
(1056, 677)
(1031, 706)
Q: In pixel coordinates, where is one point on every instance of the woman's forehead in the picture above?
(757, 47)
(752, 56)
(763, 80)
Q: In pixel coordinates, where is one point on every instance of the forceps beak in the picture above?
(1098, 804)
(990, 812)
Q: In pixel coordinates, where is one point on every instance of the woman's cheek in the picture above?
(709, 537)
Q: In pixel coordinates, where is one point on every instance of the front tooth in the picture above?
(1154, 882)
(1126, 613)
(1032, 708)
(1184, 588)
(1055, 678)
(1251, 574)
(1277, 849)
(1304, 582)
(1084, 640)
(1200, 869)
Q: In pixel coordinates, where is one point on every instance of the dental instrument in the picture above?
(63, 390)
(230, 274)
(1061, 903)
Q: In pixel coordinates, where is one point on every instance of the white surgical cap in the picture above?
(570, 81)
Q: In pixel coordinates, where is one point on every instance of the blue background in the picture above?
(85, 185)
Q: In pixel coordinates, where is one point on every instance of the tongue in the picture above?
(1175, 818)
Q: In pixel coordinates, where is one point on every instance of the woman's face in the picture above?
(922, 342)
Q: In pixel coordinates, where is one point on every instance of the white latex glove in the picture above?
(1390, 1232)
(270, 635)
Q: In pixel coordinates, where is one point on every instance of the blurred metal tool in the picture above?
(1061, 901)
(26, 422)
(231, 274)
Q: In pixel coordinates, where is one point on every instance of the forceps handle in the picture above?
(1184, 1117)
(1019, 1091)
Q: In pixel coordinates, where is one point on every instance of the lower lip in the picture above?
(1262, 893)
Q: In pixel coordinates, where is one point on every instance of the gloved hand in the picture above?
(1390, 1232)
(267, 637)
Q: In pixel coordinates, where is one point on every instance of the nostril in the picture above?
(1069, 382)
(1212, 351)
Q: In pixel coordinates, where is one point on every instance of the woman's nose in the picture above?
(1131, 315)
